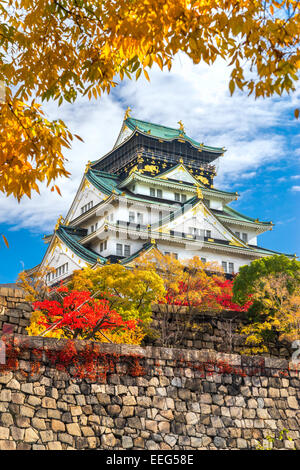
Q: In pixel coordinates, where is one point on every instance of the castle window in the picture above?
(208, 233)
(245, 237)
(119, 250)
(183, 197)
(60, 270)
(126, 250)
(103, 245)
(131, 216)
(177, 197)
(203, 260)
(87, 207)
(156, 193)
(237, 234)
(224, 266)
(94, 227)
(175, 255)
(231, 268)
(139, 218)
(194, 231)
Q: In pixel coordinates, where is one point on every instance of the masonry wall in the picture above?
(14, 310)
(218, 331)
(142, 398)
(205, 330)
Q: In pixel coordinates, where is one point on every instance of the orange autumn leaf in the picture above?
(64, 49)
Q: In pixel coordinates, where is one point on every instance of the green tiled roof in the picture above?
(105, 182)
(166, 133)
(266, 251)
(71, 237)
(252, 249)
(233, 214)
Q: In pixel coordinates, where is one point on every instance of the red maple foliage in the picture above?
(78, 314)
(224, 299)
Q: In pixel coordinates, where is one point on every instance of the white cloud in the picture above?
(199, 96)
(295, 188)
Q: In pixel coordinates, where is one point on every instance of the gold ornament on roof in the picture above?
(58, 223)
(181, 126)
(153, 241)
(199, 193)
(127, 113)
(88, 166)
(180, 160)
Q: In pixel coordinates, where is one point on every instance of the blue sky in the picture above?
(262, 139)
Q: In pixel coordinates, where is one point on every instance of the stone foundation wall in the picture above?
(143, 398)
(206, 330)
(14, 310)
(218, 331)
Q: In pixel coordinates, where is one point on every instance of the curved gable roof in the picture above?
(71, 237)
(166, 133)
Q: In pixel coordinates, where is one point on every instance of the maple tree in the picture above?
(278, 295)
(130, 292)
(34, 285)
(189, 288)
(225, 299)
(61, 49)
(246, 280)
(193, 283)
(78, 315)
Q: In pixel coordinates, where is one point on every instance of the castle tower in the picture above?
(153, 189)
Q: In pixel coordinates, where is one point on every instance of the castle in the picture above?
(154, 189)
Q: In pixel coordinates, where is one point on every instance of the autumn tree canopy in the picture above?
(61, 49)
(278, 295)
